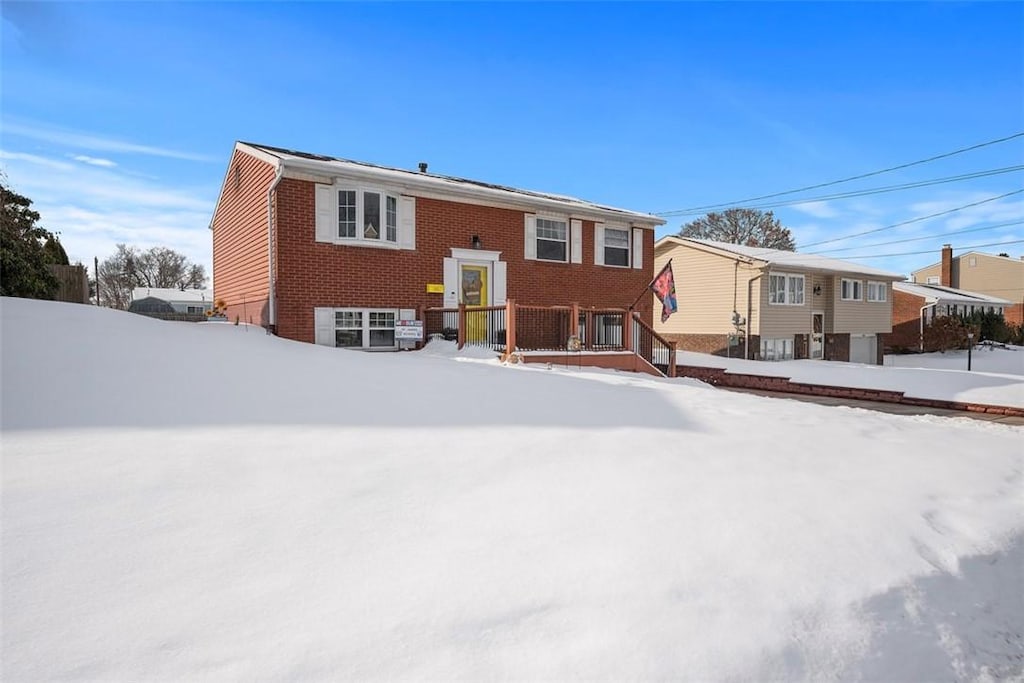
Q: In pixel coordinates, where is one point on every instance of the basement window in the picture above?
(776, 349)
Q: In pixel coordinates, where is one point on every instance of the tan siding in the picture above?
(240, 258)
(922, 275)
(706, 287)
(785, 321)
(861, 316)
(997, 276)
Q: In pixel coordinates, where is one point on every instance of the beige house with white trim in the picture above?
(998, 276)
(767, 304)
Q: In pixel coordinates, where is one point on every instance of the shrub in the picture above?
(946, 333)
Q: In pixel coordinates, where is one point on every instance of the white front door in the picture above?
(474, 277)
(817, 335)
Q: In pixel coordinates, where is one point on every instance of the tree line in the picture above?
(27, 250)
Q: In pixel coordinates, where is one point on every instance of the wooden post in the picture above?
(574, 320)
(510, 327)
(672, 359)
(627, 330)
(462, 325)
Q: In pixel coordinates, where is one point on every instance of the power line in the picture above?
(846, 180)
(918, 239)
(914, 220)
(867, 191)
(932, 251)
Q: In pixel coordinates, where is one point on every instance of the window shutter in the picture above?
(599, 244)
(451, 283)
(323, 322)
(407, 222)
(499, 285)
(530, 238)
(638, 248)
(326, 213)
(576, 251)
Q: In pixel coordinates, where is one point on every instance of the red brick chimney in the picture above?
(946, 274)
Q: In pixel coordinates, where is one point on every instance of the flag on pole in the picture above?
(664, 287)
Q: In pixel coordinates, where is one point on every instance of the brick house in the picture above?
(768, 304)
(331, 251)
(997, 276)
(916, 305)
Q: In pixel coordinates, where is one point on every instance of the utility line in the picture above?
(866, 191)
(914, 220)
(918, 239)
(845, 180)
(932, 251)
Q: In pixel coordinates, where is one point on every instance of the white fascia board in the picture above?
(670, 241)
(443, 188)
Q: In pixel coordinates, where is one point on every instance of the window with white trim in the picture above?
(876, 291)
(786, 289)
(776, 349)
(851, 290)
(551, 239)
(363, 218)
(195, 309)
(616, 247)
(363, 328)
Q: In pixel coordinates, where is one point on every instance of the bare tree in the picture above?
(158, 267)
(748, 227)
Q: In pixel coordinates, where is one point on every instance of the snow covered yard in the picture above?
(204, 501)
(996, 376)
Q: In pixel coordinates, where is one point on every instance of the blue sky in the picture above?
(118, 119)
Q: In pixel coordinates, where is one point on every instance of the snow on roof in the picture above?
(172, 294)
(937, 292)
(788, 259)
(328, 164)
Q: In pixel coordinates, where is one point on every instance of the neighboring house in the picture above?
(916, 305)
(774, 305)
(187, 301)
(997, 276)
(336, 252)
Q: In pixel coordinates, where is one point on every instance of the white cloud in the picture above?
(36, 159)
(817, 209)
(95, 207)
(95, 142)
(93, 161)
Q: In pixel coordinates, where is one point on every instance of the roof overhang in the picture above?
(423, 184)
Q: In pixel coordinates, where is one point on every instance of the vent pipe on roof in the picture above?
(423, 167)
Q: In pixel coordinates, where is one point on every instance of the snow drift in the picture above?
(185, 501)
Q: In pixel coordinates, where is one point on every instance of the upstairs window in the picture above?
(616, 247)
(876, 291)
(786, 289)
(365, 216)
(551, 240)
(851, 290)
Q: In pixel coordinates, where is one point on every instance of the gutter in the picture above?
(271, 301)
(920, 323)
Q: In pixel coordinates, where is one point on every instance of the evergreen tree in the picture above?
(23, 258)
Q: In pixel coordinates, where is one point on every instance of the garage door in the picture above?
(863, 348)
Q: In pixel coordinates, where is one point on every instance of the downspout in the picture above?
(271, 301)
(750, 306)
(920, 333)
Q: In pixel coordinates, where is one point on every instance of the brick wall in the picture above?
(1014, 314)
(906, 322)
(715, 344)
(240, 275)
(312, 274)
